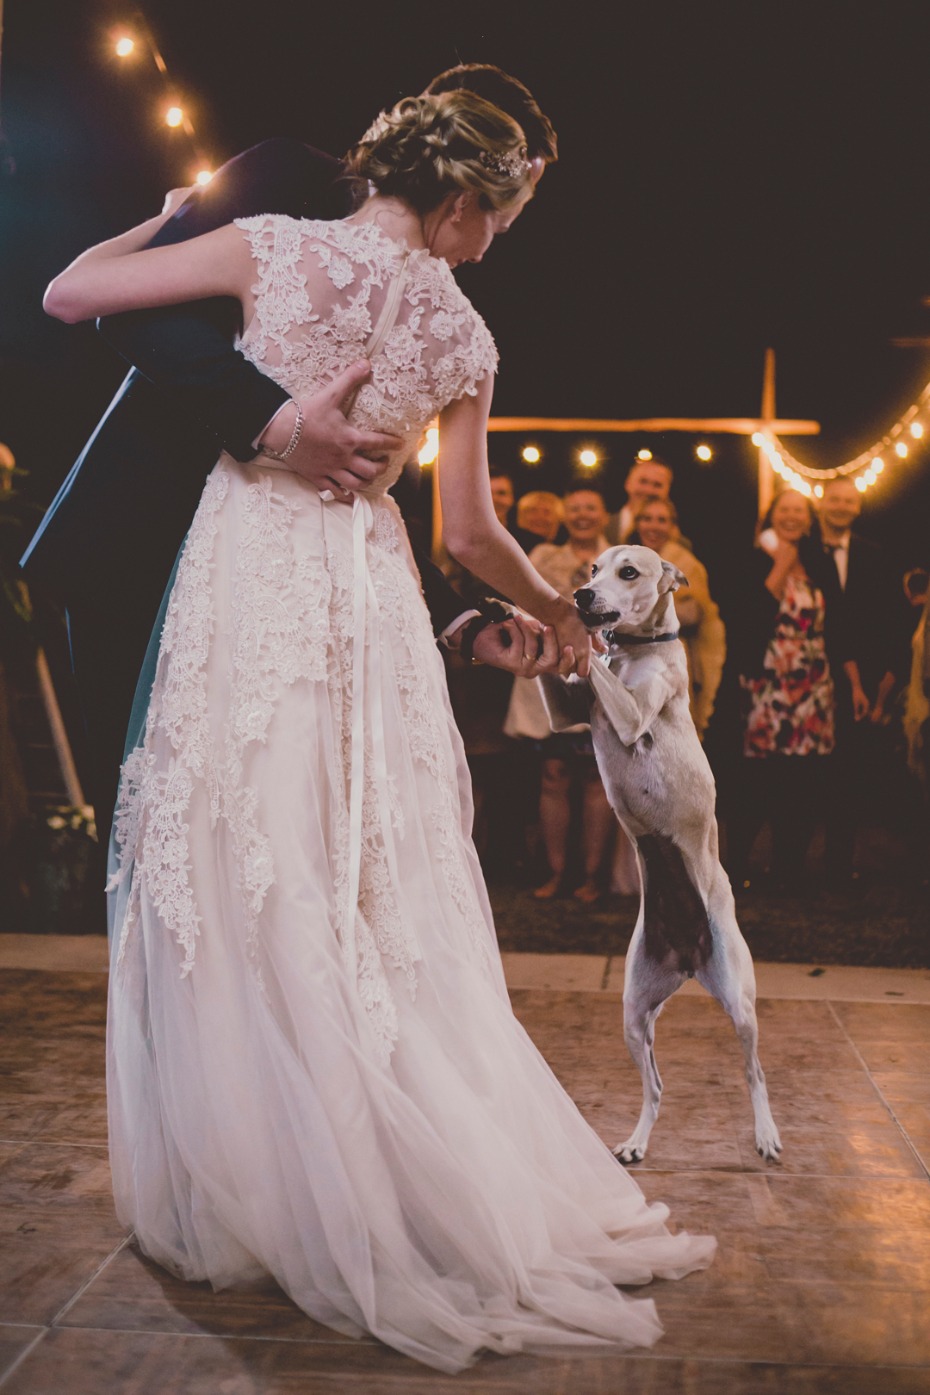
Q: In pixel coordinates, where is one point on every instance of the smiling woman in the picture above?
(790, 644)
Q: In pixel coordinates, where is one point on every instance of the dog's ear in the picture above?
(671, 578)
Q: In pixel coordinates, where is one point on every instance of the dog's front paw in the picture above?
(768, 1144)
(629, 1152)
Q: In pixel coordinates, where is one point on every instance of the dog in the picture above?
(660, 786)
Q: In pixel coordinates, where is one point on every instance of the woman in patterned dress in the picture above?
(313, 1069)
(782, 637)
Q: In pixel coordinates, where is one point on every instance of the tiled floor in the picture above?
(822, 1281)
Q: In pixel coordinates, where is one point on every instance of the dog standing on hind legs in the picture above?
(661, 788)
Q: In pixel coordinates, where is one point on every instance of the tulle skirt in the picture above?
(314, 1072)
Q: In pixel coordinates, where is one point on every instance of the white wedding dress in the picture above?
(314, 1071)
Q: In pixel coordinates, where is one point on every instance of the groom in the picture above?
(110, 537)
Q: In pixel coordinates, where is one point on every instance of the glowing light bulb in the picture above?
(917, 430)
(203, 176)
(430, 447)
(901, 450)
(174, 116)
(124, 46)
(531, 455)
(757, 438)
(704, 452)
(644, 454)
(861, 484)
(588, 458)
(877, 466)
(818, 490)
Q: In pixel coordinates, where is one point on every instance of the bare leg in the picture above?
(554, 816)
(598, 824)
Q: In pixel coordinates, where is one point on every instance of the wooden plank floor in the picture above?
(822, 1281)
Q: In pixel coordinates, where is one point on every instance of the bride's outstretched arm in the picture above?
(119, 275)
(473, 534)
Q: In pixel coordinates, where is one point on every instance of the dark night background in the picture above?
(731, 176)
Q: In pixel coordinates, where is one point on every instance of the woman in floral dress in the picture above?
(783, 636)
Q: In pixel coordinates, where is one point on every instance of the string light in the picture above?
(644, 454)
(704, 452)
(869, 464)
(141, 40)
(531, 454)
(588, 458)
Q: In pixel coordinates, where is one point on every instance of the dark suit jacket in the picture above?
(873, 602)
(107, 544)
(127, 502)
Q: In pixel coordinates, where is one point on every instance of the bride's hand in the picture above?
(575, 640)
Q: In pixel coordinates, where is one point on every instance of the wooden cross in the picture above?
(739, 426)
(766, 422)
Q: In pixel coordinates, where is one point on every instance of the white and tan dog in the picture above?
(661, 788)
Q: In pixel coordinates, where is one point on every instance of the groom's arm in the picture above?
(189, 349)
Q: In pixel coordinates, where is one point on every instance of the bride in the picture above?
(313, 1069)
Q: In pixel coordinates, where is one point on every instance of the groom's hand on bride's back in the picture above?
(331, 453)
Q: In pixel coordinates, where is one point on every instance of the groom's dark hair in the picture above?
(510, 96)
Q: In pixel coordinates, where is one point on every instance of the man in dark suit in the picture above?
(872, 603)
(108, 542)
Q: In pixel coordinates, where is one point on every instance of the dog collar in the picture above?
(614, 637)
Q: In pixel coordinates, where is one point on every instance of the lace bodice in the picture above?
(329, 294)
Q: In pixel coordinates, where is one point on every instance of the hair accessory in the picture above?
(511, 163)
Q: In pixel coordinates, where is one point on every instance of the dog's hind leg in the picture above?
(647, 986)
(729, 976)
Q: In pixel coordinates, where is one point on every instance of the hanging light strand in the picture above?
(128, 41)
(906, 436)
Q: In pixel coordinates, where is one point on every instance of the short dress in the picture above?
(791, 703)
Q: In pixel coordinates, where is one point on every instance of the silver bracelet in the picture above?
(291, 446)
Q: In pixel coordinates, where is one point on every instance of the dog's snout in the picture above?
(583, 598)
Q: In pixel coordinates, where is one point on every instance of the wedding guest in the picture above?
(567, 759)
(917, 697)
(646, 479)
(502, 496)
(702, 630)
(872, 595)
(540, 517)
(783, 626)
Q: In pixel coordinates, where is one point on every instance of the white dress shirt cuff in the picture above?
(455, 625)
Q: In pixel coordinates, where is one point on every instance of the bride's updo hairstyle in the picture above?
(426, 148)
